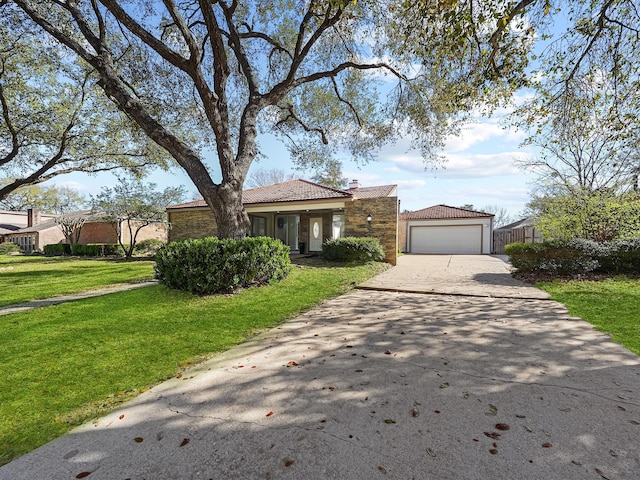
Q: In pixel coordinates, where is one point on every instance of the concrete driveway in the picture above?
(380, 384)
(470, 275)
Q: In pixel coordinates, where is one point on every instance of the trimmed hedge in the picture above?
(578, 256)
(96, 249)
(210, 265)
(353, 249)
(57, 249)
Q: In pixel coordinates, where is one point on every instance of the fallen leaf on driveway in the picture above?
(83, 474)
(601, 473)
(288, 462)
(444, 385)
(184, 442)
(269, 414)
(388, 352)
(547, 445)
(502, 426)
(389, 421)
(493, 451)
(292, 364)
(494, 435)
(493, 411)
(138, 439)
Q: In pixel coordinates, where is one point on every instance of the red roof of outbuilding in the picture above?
(443, 212)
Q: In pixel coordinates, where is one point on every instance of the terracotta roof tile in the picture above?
(442, 212)
(292, 191)
(373, 192)
(299, 191)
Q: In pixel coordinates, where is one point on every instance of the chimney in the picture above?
(33, 217)
(354, 184)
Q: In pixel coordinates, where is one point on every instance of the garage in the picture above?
(461, 239)
(442, 229)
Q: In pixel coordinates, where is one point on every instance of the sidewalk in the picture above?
(46, 302)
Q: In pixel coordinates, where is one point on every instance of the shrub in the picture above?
(148, 247)
(353, 249)
(57, 249)
(9, 247)
(96, 249)
(563, 257)
(622, 256)
(210, 265)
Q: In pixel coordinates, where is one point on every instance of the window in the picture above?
(287, 230)
(337, 226)
(258, 227)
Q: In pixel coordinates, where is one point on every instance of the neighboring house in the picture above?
(303, 215)
(31, 230)
(27, 229)
(446, 230)
(521, 231)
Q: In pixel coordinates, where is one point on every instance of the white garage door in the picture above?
(459, 239)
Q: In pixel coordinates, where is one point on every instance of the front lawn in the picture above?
(25, 278)
(611, 305)
(63, 365)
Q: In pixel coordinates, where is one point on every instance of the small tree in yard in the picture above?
(134, 205)
(71, 226)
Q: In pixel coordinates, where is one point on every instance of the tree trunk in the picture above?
(226, 204)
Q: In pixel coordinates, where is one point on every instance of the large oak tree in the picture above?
(209, 75)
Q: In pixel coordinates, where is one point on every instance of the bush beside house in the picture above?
(353, 249)
(210, 265)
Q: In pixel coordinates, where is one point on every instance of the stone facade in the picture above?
(198, 222)
(383, 226)
(191, 223)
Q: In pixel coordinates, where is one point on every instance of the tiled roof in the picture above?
(292, 191)
(443, 212)
(525, 222)
(373, 192)
(299, 191)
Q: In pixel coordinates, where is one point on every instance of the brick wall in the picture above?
(191, 223)
(156, 231)
(383, 226)
(97, 232)
(49, 236)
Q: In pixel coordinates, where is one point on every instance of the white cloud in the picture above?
(481, 132)
(364, 179)
(459, 165)
(410, 184)
(481, 165)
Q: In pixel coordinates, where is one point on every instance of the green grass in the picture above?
(24, 278)
(63, 365)
(610, 305)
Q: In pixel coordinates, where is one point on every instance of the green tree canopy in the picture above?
(54, 118)
(198, 76)
(49, 199)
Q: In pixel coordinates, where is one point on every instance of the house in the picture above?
(442, 229)
(31, 230)
(303, 215)
(523, 230)
(27, 229)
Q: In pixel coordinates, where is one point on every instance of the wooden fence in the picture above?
(504, 237)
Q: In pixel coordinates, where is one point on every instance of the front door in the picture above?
(315, 234)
